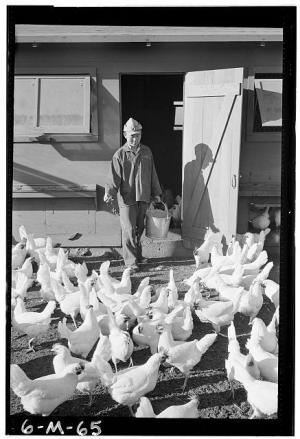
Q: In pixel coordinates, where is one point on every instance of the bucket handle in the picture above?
(151, 207)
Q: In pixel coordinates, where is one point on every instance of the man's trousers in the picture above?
(132, 220)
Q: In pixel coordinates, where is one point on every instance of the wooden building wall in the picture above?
(86, 163)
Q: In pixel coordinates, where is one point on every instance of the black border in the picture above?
(241, 16)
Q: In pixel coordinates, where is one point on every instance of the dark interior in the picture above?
(149, 99)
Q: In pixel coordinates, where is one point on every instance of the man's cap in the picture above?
(132, 126)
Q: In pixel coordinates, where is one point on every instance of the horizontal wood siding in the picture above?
(62, 218)
(31, 214)
(67, 216)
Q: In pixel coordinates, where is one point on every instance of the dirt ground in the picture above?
(207, 380)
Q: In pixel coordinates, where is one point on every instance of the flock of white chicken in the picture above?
(115, 318)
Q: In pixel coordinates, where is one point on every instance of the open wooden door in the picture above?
(211, 151)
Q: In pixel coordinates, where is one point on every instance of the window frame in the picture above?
(251, 135)
(38, 135)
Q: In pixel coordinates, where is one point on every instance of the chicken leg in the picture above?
(74, 321)
(90, 399)
(115, 364)
(30, 347)
(185, 382)
(233, 396)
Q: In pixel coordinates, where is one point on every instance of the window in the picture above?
(46, 104)
(267, 103)
(263, 104)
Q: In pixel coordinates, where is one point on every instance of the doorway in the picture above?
(149, 98)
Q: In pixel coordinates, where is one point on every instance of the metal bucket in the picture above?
(157, 222)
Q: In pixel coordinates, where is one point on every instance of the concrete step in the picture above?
(171, 246)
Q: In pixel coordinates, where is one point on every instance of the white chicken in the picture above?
(188, 410)
(145, 334)
(265, 335)
(226, 292)
(262, 276)
(84, 300)
(42, 395)
(143, 284)
(81, 272)
(172, 291)
(124, 287)
(113, 285)
(82, 340)
(182, 326)
(272, 291)
(44, 278)
(249, 268)
(131, 310)
(219, 314)
(180, 319)
(144, 298)
(104, 274)
(199, 274)
(22, 285)
(251, 301)
(18, 255)
(234, 279)
(103, 348)
(121, 343)
(128, 387)
(166, 340)
(235, 356)
(218, 260)
(266, 362)
(69, 303)
(30, 322)
(31, 246)
(252, 252)
(244, 254)
(90, 376)
(261, 395)
(50, 253)
(186, 355)
(62, 263)
(201, 254)
(98, 307)
(190, 295)
(68, 285)
(161, 304)
(26, 269)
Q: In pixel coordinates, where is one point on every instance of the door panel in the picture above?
(211, 147)
(70, 216)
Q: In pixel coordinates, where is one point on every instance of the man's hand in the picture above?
(107, 198)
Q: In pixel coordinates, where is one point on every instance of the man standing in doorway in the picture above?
(132, 176)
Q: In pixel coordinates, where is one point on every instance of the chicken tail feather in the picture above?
(204, 344)
(19, 381)
(233, 345)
